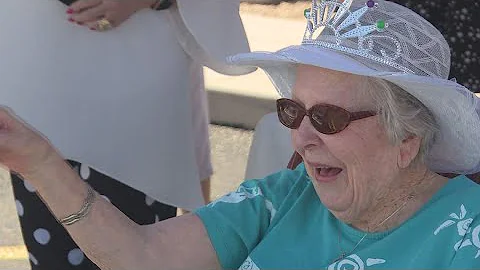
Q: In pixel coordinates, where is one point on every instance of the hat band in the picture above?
(364, 54)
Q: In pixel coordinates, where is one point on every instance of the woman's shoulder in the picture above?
(451, 222)
(458, 191)
(459, 185)
(457, 202)
(464, 188)
(462, 222)
(274, 188)
(283, 183)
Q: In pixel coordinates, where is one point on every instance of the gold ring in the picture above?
(104, 25)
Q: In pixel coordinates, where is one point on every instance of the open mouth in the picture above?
(326, 174)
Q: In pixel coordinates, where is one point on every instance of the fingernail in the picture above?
(71, 20)
(69, 11)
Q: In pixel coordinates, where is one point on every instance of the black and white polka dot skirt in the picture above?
(48, 243)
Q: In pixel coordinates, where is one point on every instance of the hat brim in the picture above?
(457, 146)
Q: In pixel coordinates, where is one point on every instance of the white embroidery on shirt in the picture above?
(248, 264)
(462, 243)
(464, 230)
(463, 225)
(371, 262)
(270, 208)
(355, 262)
(476, 239)
(240, 195)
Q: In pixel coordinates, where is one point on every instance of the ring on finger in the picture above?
(104, 25)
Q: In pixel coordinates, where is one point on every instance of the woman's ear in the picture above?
(409, 149)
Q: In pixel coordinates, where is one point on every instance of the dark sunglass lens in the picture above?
(330, 119)
(289, 113)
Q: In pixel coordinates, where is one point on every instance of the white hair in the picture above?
(403, 115)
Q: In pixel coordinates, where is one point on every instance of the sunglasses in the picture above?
(325, 118)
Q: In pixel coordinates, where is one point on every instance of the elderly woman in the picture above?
(373, 117)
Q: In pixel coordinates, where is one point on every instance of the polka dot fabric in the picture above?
(458, 21)
(49, 246)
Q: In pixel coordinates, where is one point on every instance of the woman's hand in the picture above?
(93, 13)
(22, 149)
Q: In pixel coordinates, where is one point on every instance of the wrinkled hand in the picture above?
(22, 149)
(89, 12)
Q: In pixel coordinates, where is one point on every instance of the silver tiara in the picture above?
(336, 26)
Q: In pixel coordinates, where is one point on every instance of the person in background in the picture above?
(118, 88)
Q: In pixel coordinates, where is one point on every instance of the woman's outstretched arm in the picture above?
(108, 237)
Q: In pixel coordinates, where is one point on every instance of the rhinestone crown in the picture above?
(334, 25)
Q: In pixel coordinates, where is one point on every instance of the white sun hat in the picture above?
(385, 40)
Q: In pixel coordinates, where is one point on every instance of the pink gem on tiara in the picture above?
(370, 3)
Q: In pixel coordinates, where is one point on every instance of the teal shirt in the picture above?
(280, 223)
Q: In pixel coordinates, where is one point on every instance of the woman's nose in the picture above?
(306, 134)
